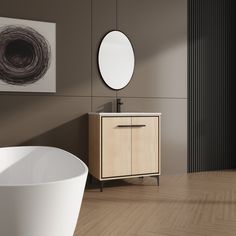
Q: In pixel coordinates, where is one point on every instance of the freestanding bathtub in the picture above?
(41, 190)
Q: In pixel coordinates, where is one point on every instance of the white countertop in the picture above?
(125, 113)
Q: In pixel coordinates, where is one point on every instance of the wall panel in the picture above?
(210, 87)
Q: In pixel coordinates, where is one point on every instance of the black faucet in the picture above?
(118, 104)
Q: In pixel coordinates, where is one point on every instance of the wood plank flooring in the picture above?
(199, 204)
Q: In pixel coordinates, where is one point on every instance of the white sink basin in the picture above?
(126, 113)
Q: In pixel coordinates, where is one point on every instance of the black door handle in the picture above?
(130, 126)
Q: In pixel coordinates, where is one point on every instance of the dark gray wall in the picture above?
(158, 32)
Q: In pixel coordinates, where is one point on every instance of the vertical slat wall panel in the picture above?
(210, 85)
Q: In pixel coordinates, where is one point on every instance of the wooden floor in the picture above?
(187, 205)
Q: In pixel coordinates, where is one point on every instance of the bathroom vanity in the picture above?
(124, 145)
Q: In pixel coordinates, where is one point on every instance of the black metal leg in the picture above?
(101, 186)
(158, 183)
(90, 179)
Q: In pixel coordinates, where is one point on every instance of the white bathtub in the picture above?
(41, 190)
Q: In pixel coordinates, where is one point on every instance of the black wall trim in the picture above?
(210, 85)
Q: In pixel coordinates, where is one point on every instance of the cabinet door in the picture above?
(145, 145)
(116, 146)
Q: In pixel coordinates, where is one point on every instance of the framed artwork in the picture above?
(27, 55)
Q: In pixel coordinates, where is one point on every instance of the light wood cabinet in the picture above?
(145, 157)
(116, 147)
(124, 146)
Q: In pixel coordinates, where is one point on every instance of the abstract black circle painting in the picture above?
(27, 56)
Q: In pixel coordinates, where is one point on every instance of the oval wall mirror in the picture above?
(116, 60)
